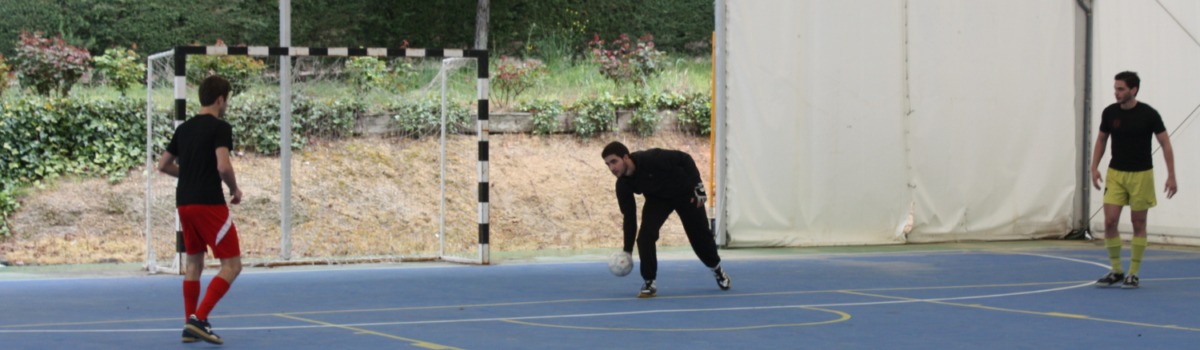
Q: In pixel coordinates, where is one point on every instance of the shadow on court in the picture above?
(1002, 299)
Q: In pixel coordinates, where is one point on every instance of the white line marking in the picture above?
(1067, 259)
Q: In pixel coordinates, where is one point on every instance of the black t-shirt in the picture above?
(658, 173)
(195, 143)
(1131, 131)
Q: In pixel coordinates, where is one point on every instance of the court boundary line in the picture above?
(899, 300)
(1052, 314)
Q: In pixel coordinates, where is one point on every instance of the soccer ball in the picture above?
(620, 263)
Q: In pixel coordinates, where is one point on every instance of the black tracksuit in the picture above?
(668, 179)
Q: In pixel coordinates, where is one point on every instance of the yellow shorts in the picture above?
(1135, 189)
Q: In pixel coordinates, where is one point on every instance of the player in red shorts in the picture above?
(201, 145)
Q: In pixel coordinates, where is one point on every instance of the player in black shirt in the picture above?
(670, 182)
(201, 145)
(1130, 173)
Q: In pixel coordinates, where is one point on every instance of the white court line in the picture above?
(586, 315)
(1065, 258)
(558, 316)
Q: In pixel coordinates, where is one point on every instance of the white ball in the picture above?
(620, 263)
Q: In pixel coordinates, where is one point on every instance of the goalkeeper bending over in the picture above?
(669, 181)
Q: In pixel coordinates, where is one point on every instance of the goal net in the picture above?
(385, 163)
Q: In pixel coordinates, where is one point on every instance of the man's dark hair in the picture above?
(1131, 79)
(212, 88)
(614, 148)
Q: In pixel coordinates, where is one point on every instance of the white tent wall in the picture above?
(819, 144)
(1142, 36)
(815, 150)
(993, 119)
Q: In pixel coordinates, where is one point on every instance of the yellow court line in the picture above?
(1054, 314)
(417, 343)
(844, 316)
(586, 300)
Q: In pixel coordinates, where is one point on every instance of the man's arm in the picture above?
(166, 164)
(628, 207)
(1101, 144)
(225, 168)
(1169, 156)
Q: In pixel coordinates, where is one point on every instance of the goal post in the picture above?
(285, 54)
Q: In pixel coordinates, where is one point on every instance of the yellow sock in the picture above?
(1114, 252)
(1139, 248)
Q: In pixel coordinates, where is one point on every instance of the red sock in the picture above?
(191, 295)
(216, 290)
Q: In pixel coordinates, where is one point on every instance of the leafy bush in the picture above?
(512, 78)
(44, 138)
(49, 64)
(417, 118)
(594, 115)
(624, 63)
(255, 120)
(370, 72)
(564, 40)
(239, 70)
(696, 112)
(5, 73)
(545, 114)
(122, 67)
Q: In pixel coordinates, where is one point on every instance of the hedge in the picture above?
(157, 25)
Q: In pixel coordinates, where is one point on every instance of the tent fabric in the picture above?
(828, 143)
(993, 119)
(1145, 37)
(814, 141)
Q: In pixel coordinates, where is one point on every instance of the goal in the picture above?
(297, 243)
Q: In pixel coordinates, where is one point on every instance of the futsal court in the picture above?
(992, 295)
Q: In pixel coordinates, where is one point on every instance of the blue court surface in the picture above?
(977, 299)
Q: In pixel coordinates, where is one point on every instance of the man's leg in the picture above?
(1112, 237)
(695, 225)
(191, 284)
(1138, 218)
(230, 269)
(654, 214)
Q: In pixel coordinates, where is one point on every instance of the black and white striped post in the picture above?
(481, 127)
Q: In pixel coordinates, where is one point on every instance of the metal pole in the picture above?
(718, 122)
(442, 160)
(285, 131)
(150, 263)
(1085, 181)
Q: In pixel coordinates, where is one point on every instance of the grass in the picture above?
(566, 80)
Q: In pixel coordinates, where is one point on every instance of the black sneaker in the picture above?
(202, 330)
(188, 338)
(723, 279)
(1110, 279)
(648, 290)
(1131, 282)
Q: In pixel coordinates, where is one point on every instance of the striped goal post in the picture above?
(481, 126)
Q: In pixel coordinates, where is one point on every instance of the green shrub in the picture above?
(43, 138)
(239, 70)
(624, 61)
(512, 78)
(545, 114)
(49, 64)
(421, 117)
(255, 120)
(122, 67)
(366, 73)
(5, 73)
(594, 115)
(696, 113)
